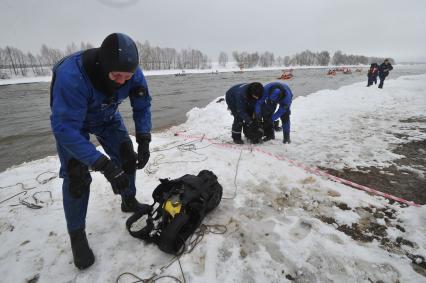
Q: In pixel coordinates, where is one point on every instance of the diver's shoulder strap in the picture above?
(145, 232)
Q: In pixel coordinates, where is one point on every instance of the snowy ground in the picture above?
(283, 223)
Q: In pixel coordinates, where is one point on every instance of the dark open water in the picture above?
(24, 109)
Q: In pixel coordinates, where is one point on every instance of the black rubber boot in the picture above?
(132, 205)
(83, 255)
(286, 138)
(268, 138)
(269, 133)
(237, 138)
(277, 127)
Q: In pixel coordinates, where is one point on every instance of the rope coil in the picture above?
(192, 243)
(32, 201)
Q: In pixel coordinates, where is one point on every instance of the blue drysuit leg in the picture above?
(114, 138)
(267, 111)
(382, 80)
(237, 126)
(75, 188)
(285, 119)
(370, 80)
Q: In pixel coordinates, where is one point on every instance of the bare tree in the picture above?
(3, 64)
(41, 66)
(157, 58)
(3, 58)
(279, 61)
(287, 61)
(50, 55)
(11, 59)
(253, 59)
(169, 58)
(349, 59)
(223, 59)
(245, 59)
(144, 54)
(323, 58)
(337, 58)
(266, 59)
(35, 65)
(237, 57)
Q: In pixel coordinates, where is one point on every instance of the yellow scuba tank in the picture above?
(173, 205)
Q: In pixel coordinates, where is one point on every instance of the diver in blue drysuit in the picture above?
(241, 100)
(87, 88)
(275, 93)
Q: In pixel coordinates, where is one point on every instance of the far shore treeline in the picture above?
(15, 62)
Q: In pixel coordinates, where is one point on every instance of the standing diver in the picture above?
(384, 70)
(87, 88)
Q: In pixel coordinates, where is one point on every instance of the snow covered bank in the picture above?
(25, 80)
(282, 223)
(349, 127)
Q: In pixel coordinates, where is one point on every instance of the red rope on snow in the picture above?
(302, 166)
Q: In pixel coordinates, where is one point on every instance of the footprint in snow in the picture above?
(300, 231)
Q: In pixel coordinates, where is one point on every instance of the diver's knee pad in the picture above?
(79, 178)
(128, 158)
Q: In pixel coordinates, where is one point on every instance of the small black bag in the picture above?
(182, 206)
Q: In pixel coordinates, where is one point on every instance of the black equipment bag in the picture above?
(182, 206)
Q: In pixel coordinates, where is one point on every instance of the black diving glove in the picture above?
(255, 132)
(115, 175)
(143, 141)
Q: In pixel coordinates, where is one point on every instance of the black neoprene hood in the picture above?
(118, 53)
(255, 89)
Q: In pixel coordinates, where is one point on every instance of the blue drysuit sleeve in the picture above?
(69, 110)
(281, 111)
(285, 104)
(258, 107)
(141, 105)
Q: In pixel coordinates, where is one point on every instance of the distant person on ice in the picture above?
(384, 70)
(372, 74)
(241, 100)
(87, 88)
(275, 94)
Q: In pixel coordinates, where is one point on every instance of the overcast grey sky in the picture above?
(392, 28)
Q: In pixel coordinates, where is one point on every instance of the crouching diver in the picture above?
(241, 100)
(275, 93)
(86, 90)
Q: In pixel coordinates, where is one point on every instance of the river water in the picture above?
(24, 108)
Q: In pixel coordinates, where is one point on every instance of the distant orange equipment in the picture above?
(347, 71)
(286, 76)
